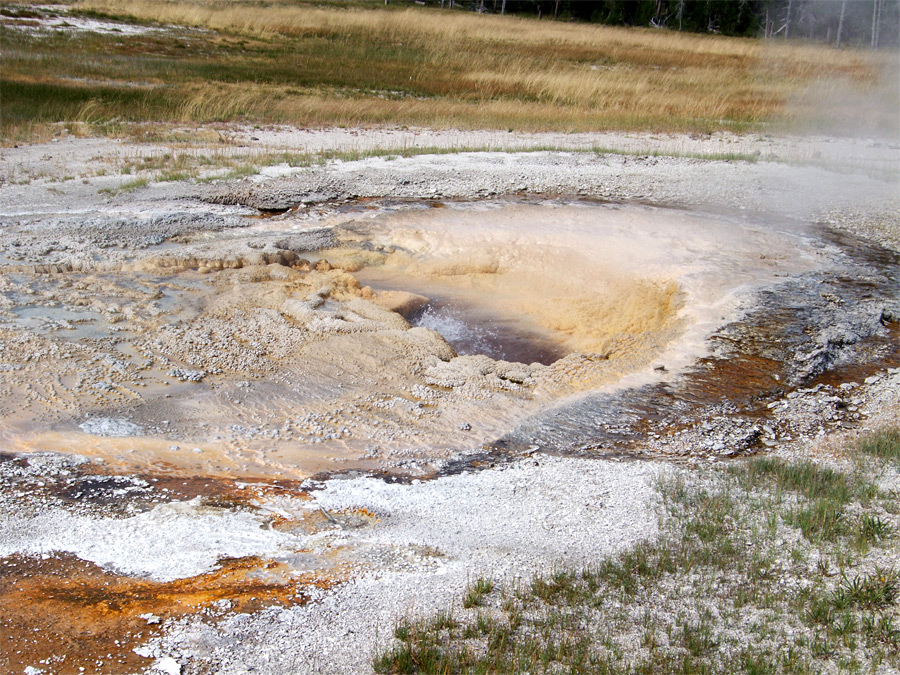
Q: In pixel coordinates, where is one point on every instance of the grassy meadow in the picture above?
(205, 61)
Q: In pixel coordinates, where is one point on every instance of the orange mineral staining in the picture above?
(62, 614)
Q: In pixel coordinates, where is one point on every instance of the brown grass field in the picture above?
(342, 65)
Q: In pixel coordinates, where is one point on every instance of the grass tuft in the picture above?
(127, 186)
(476, 592)
(874, 529)
(877, 590)
(884, 444)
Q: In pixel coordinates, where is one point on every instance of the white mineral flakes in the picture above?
(168, 666)
(109, 426)
(171, 541)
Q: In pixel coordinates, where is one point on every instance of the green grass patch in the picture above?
(876, 590)
(884, 445)
(721, 576)
(476, 591)
(819, 520)
(808, 479)
(127, 186)
(173, 176)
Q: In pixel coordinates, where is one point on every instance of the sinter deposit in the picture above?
(300, 405)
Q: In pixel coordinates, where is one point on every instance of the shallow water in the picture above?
(470, 327)
(470, 331)
(67, 324)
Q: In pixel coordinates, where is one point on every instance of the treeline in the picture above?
(871, 23)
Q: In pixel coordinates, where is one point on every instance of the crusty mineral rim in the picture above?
(213, 360)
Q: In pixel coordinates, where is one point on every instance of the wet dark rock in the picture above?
(306, 241)
(276, 195)
(833, 343)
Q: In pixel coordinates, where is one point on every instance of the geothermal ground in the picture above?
(247, 424)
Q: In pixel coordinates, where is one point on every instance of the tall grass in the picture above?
(306, 65)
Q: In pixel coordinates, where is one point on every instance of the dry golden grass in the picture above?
(291, 63)
(442, 33)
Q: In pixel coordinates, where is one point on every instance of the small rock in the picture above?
(187, 375)
(167, 665)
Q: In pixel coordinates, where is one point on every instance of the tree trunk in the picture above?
(556, 10)
(840, 32)
(503, 8)
(680, 12)
(874, 20)
(787, 20)
(878, 32)
(876, 23)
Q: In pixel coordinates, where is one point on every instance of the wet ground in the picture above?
(815, 332)
(203, 381)
(823, 332)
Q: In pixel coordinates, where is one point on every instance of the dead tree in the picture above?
(876, 23)
(656, 21)
(841, 23)
(787, 20)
